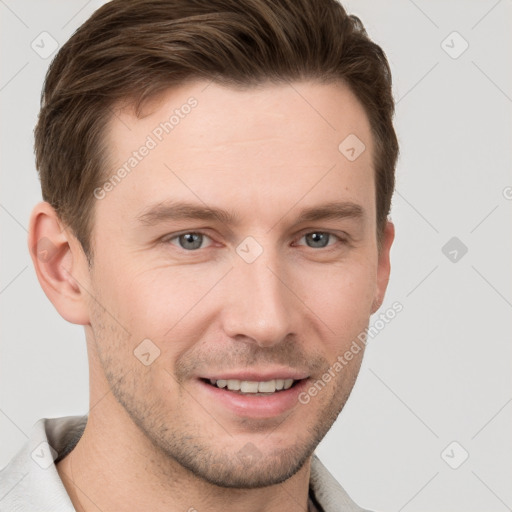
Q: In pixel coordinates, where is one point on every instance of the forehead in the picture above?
(255, 149)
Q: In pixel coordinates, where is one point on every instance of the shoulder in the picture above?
(30, 480)
(328, 492)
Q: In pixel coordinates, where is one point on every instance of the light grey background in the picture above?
(441, 370)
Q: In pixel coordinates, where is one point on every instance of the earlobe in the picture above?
(59, 263)
(384, 266)
(376, 305)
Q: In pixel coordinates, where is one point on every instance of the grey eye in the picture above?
(190, 241)
(317, 239)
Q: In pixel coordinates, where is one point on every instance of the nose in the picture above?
(259, 307)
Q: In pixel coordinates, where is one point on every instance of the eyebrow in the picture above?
(333, 210)
(178, 210)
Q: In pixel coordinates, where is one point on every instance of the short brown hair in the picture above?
(134, 49)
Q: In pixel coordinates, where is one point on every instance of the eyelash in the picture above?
(169, 239)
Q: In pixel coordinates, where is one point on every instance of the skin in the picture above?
(154, 434)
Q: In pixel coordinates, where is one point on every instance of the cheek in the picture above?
(341, 296)
(159, 302)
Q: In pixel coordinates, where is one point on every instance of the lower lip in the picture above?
(253, 405)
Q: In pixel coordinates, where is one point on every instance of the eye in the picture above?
(319, 239)
(189, 241)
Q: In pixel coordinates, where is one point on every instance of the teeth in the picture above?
(288, 383)
(247, 386)
(250, 386)
(233, 385)
(268, 386)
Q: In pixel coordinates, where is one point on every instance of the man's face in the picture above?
(276, 290)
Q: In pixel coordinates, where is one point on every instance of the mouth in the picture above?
(253, 396)
(253, 387)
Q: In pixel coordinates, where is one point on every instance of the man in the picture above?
(216, 177)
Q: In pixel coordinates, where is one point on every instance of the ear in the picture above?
(60, 263)
(383, 266)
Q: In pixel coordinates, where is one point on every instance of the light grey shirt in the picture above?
(31, 483)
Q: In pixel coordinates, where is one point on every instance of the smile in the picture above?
(252, 386)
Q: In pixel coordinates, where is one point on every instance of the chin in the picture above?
(248, 468)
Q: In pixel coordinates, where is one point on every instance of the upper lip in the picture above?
(262, 376)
